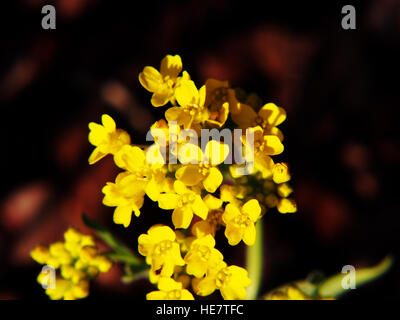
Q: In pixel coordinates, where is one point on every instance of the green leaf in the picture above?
(332, 287)
(120, 253)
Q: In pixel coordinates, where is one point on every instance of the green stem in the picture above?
(254, 262)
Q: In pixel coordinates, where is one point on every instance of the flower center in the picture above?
(174, 295)
(223, 276)
(241, 221)
(203, 253)
(163, 247)
(219, 95)
(185, 199)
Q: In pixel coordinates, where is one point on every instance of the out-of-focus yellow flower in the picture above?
(280, 173)
(161, 250)
(169, 289)
(284, 190)
(162, 83)
(202, 167)
(240, 222)
(268, 118)
(106, 138)
(79, 261)
(66, 289)
(185, 203)
(286, 206)
(201, 255)
(232, 193)
(231, 281)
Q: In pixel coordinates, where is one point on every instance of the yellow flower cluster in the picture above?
(204, 191)
(163, 251)
(78, 261)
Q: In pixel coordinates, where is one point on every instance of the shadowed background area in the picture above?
(339, 87)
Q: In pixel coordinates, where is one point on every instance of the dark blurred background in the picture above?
(340, 89)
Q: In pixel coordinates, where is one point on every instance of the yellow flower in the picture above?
(191, 111)
(284, 190)
(169, 289)
(240, 222)
(126, 195)
(201, 255)
(106, 138)
(201, 167)
(264, 146)
(162, 83)
(232, 193)
(146, 166)
(67, 290)
(268, 117)
(231, 281)
(214, 218)
(161, 250)
(185, 203)
(280, 173)
(286, 206)
(220, 99)
(79, 261)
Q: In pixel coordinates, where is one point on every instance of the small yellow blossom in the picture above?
(202, 167)
(169, 289)
(261, 149)
(240, 222)
(280, 173)
(191, 109)
(185, 202)
(231, 282)
(268, 118)
(106, 138)
(161, 250)
(162, 83)
(286, 206)
(220, 99)
(201, 255)
(126, 196)
(284, 190)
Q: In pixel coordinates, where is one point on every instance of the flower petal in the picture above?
(272, 145)
(151, 79)
(187, 94)
(200, 208)
(168, 201)
(182, 217)
(215, 152)
(213, 180)
(189, 175)
(272, 114)
(252, 209)
(171, 66)
(122, 215)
